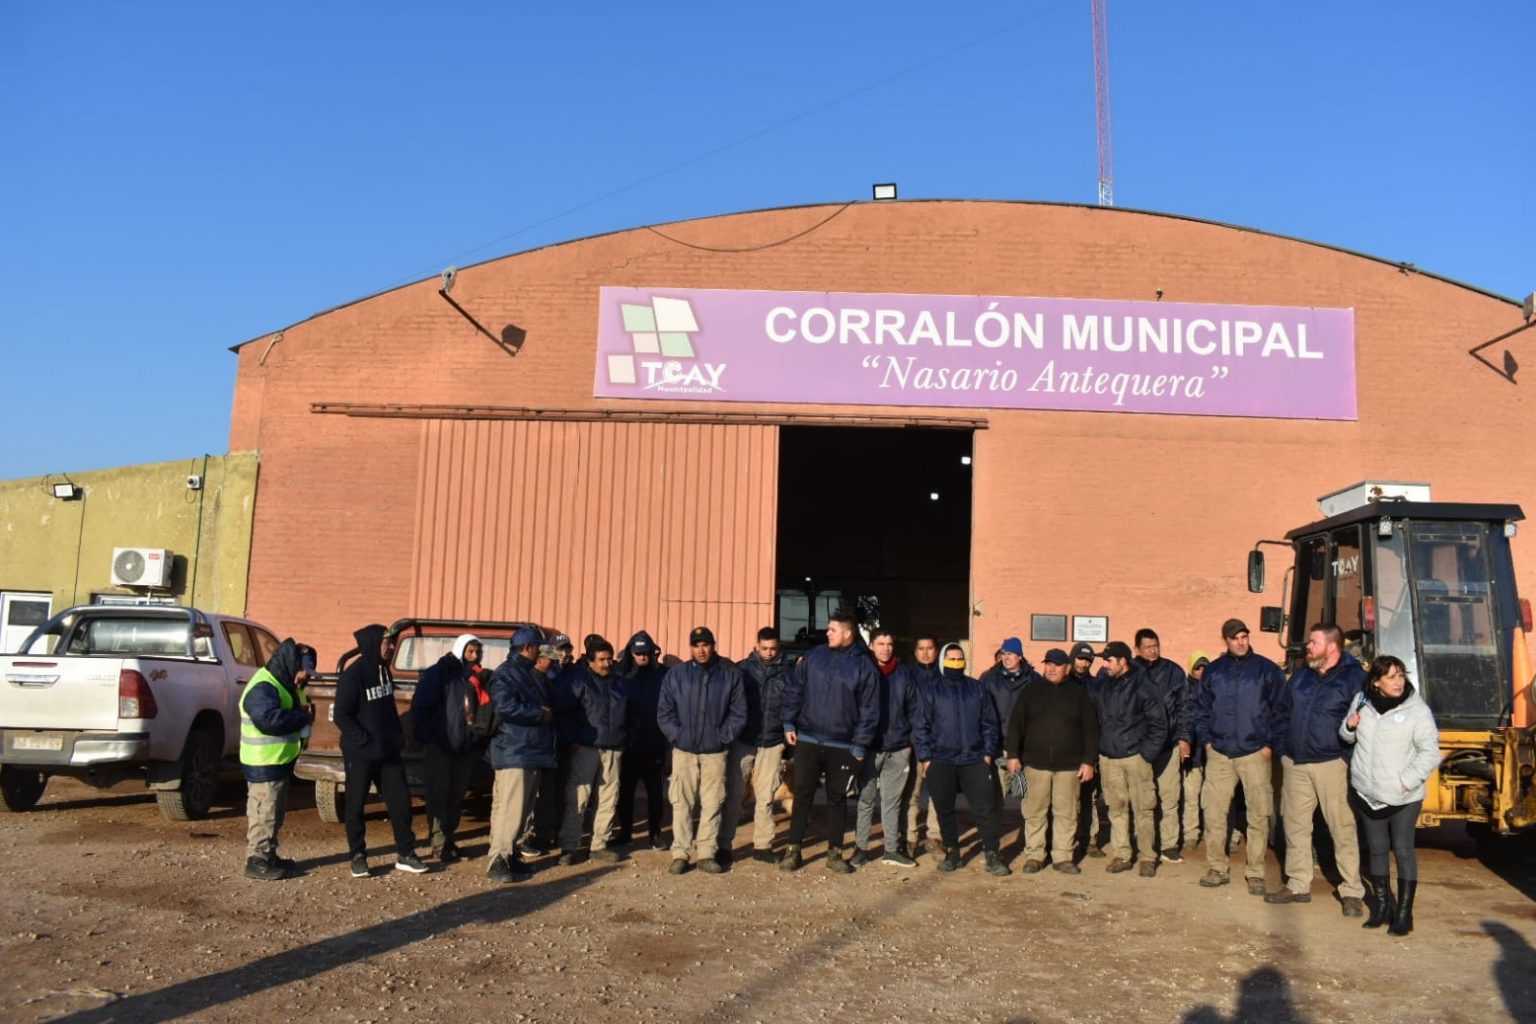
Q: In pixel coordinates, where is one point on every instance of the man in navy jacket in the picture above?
(831, 709)
(888, 766)
(763, 674)
(1231, 719)
(701, 710)
(598, 730)
(1315, 773)
(522, 748)
(1172, 685)
(1133, 730)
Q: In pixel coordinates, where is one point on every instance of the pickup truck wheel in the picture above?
(199, 780)
(328, 802)
(20, 788)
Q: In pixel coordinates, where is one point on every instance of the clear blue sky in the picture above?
(179, 177)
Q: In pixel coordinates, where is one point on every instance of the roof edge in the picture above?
(1402, 265)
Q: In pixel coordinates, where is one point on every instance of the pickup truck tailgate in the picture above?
(58, 693)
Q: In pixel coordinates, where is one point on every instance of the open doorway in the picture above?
(878, 517)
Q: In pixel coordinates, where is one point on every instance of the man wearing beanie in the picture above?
(701, 710)
(1054, 734)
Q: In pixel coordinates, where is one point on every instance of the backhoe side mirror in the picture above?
(1255, 572)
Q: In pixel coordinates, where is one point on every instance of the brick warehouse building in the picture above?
(443, 455)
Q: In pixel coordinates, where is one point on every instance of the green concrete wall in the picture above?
(66, 546)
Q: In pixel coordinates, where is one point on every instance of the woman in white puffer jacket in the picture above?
(1397, 748)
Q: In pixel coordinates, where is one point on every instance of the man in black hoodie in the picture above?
(446, 697)
(371, 742)
(645, 752)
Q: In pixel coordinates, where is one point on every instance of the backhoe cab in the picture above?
(1432, 583)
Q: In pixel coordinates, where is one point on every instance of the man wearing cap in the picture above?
(1194, 766)
(1233, 719)
(921, 819)
(1092, 814)
(831, 710)
(702, 709)
(763, 675)
(1133, 730)
(599, 731)
(549, 802)
(1004, 681)
(1315, 774)
(1167, 768)
(1054, 732)
(645, 754)
(522, 748)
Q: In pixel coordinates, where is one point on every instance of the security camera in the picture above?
(194, 482)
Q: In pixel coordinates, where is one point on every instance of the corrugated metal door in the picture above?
(598, 527)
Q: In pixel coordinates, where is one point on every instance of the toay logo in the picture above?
(662, 356)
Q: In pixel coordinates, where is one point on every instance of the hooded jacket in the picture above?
(1310, 708)
(444, 701)
(1172, 684)
(264, 707)
(644, 732)
(1132, 717)
(956, 721)
(1233, 706)
(702, 707)
(523, 738)
(365, 709)
(764, 684)
(1004, 688)
(898, 706)
(1395, 752)
(599, 709)
(833, 698)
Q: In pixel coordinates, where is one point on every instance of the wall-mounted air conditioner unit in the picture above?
(141, 567)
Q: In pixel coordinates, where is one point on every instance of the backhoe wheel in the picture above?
(328, 801)
(20, 788)
(199, 779)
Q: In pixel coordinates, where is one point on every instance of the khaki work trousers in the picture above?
(765, 770)
(698, 781)
(1060, 793)
(741, 772)
(1304, 788)
(511, 801)
(265, 805)
(1170, 786)
(592, 768)
(1222, 776)
(922, 816)
(1128, 789)
(1194, 778)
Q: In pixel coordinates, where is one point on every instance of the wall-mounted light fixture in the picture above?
(885, 191)
(67, 491)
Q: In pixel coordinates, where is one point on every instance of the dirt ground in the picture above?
(112, 913)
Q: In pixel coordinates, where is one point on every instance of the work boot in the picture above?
(1402, 914)
(836, 864)
(1032, 867)
(605, 855)
(1095, 851)
(1381, 902)
(1118, 865)
(1148, 869)
(264, 869)
(679, 866)
(1352, 906)
(505, 870)
(1256, 887)
(995, 865)
(449, 854)
(951, 859)
(712, 866)
(1287, 895)
(567, 858)
(1066, 867)
(791, 860)
(724, 856)
(1214, 879)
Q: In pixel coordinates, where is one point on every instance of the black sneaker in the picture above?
(410, 863)
(567, 858)
(450, 854)
(658, 843)
(898, 857)
(1172, 855)
(859, 859)
(951, 861)
(764, 857)
(836, 864)
(995, 865)
(360, 867)
(264, 869)
(791, 860)
(529, 846)
(505, 871)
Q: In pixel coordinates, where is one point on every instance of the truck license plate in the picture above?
(42, 742)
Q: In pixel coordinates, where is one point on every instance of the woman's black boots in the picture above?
(1402, 918)
(1381, 902)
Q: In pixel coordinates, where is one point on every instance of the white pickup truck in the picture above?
(105, 694)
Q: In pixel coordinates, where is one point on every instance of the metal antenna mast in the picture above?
(1101, 103)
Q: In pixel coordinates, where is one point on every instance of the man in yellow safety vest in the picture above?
(275, 720)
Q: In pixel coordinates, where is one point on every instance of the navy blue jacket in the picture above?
(764, 683)
(1310, 708)
(1004, 689)
(1172, 684)
(898, 706)
(1232, 710)
(956, 721)
(702, 707)
(437, 707)
(645, 735)
(523, 739)
(264, 706)
(833, 697)
(599, 709)
(364, 709)
(1132, 719)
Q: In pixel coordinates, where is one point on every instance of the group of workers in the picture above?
(1163, 750)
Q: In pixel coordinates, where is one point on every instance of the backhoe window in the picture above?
(1457, 623)
(1311, 589)
(1348, 571)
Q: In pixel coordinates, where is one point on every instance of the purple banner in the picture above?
(967, 351)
